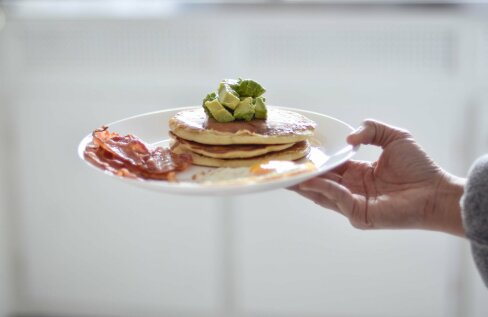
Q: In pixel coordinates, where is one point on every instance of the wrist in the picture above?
(446, 214)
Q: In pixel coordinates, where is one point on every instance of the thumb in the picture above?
(377, 133)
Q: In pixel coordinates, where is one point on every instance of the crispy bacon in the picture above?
(129, 156)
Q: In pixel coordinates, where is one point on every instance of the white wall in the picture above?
(92, 246)
(5, 276)
(5, 281)
(4, 271)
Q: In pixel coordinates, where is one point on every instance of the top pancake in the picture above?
(281, 126)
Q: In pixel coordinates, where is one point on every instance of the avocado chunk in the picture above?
(211, 96)
(247, 88)
(218, 111)
(245, 109)
(260, 108)
(228, 96)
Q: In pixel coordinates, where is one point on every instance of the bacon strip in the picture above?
(130, 157)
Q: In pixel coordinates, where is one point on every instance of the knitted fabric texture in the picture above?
(475, 214)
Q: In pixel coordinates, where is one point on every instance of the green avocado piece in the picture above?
(247, 88)
(228, 96)
(245, 109)
(260, 108)
(211, 96)
(218, 111)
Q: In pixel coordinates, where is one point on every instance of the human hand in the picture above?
(404, 188)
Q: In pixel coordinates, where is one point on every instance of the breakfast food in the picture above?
(230, 151)
(280, 127)
(297, 151)
(235, 128)
(236, 100)
(130, 157)
(259, 172)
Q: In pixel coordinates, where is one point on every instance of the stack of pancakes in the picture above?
(282, 136)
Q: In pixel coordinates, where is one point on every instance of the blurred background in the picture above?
(76, 243)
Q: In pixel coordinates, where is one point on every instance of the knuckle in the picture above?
(358, 224)
(404, 134)
(359, 220)
(370, 122)
(383, 133)
(370, 125)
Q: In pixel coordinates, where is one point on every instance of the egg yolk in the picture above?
(280, 167)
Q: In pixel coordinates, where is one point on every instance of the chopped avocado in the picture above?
(236, 100)
(248, 88)
(230, 82)
(260, 108)
(211, 96)
(228, 96)
(245, 109)
(218, 111)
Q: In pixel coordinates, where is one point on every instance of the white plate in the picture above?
(330, 151)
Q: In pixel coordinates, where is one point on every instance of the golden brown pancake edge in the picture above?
(281, 127)
(230, 151)
(297, 151)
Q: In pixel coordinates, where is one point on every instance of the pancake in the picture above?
(297, 151)
(281, 127)
(230, 151)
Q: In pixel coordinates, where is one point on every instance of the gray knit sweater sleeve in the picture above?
(475, 214)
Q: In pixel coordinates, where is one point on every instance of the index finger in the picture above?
(377, 133)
